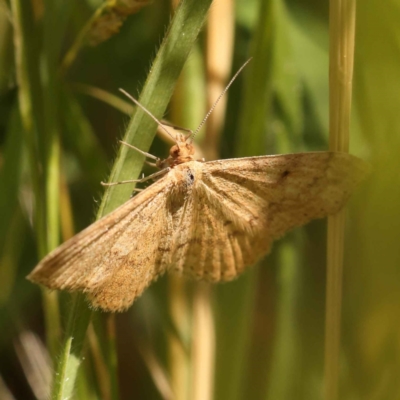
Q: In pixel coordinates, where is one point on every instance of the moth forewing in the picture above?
(246, 203)
(121, 244)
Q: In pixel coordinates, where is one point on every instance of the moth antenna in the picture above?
(178, 127)
(159, 123)
(218, 99)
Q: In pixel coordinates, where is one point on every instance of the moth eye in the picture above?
(174, 152)
(190, 176)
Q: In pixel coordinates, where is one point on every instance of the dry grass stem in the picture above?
(220, 39)
(179, 362)
(342, 32)
(203, 345)
(157, 372)
(5, 393)
(99, 364)
(35, 362)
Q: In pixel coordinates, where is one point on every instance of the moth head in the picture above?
(180, 153)
(174, 151)
(182, 149)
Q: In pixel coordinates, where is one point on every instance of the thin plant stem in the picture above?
(99, 363)
(220, 44)
(191, 376)
(28, 87)
(342, 32)
(102, 95)
(51, 134)
(179, 362)
(73, 51)
(220, 32)
(203, 346)
(237, 303)
(35, 127)
(11, 217)
(157, 371)
(70, 357)
(9, 256)
(112, 355)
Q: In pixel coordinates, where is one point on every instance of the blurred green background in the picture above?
(265, 331)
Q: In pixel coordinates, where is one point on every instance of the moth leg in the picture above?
(152, 176)
(140, 151)
(151, 164)
(134, 191)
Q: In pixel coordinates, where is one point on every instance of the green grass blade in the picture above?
(54, 23)
(29, 98)
(257, 99)
(11, 217)
(35, 127)
(70, 357)
(155, 96)
(309, 38)
(156, 93)
(10, 176)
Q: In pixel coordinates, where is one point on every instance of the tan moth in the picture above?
(208, 220)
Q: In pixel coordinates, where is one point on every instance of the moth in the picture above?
(208, 220)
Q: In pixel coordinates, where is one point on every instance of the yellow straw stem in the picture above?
(342, 32)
